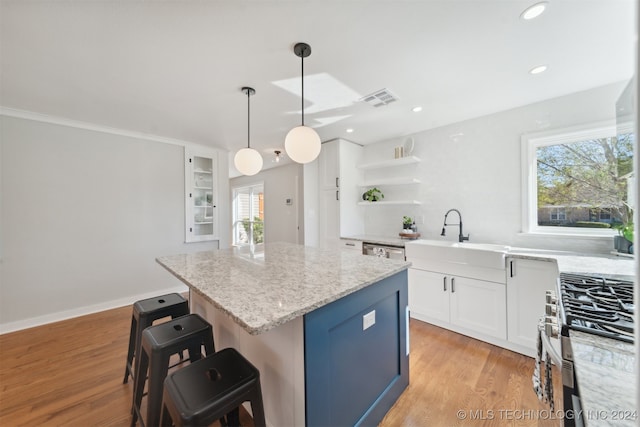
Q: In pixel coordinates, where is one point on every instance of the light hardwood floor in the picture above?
(70, 374)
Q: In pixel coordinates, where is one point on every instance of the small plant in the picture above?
(373, 195)
(625, 230)
(407, 221)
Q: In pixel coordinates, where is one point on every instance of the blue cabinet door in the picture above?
(356, 361)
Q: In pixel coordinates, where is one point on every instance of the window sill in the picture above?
(570, 235)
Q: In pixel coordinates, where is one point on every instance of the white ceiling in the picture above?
(175, 68)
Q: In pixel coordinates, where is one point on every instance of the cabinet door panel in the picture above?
(526, 285)
(329, 166)
(480, 306)
(330, 224)
(427, 295)
(201, 196)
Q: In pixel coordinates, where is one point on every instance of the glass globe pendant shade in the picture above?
(248, 161)
(302, 144)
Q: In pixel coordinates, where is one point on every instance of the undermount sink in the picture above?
(485, 255)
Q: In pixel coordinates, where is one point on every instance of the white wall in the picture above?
(84, 214)
(283, 223)
(479, 172)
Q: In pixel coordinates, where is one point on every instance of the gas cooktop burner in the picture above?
(598, 305)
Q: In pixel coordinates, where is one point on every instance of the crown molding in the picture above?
(39, 117)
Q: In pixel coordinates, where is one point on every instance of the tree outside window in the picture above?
(587, 179)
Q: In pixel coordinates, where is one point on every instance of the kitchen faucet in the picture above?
(461, 237)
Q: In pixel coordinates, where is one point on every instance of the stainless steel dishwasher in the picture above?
(383, 251)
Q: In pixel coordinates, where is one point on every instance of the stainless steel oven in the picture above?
(596, 305)
(383, 251)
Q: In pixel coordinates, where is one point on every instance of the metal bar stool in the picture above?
(206, 390)
(145, 312)
(159, 343)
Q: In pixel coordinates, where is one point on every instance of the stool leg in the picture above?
(257, 407)
(158, 367)
(130, 352)
(165, 417)
(138, 390)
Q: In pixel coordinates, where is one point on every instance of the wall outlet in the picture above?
(368, 320)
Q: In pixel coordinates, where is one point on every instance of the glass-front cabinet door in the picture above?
(201, 196)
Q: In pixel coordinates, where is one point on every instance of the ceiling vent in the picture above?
(380, 98)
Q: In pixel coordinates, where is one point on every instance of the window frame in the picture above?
(234, 211)
(529, 144)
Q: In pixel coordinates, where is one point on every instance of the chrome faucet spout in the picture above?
(461, 236)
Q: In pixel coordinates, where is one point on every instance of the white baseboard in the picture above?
(81, 311)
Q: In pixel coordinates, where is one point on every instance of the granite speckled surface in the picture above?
(379, 240)
(605, 370)
(604, 265)
(267, 285)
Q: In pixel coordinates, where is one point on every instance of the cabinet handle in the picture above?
(337, 194)
(511, 272)
(337, 181)
(444, 283)
(453, 285)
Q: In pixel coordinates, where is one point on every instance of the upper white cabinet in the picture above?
(339, 192)
(201, 195)
(527, 281)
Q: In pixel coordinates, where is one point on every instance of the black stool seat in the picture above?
(159, 342)
(206, 390)
(145, 312)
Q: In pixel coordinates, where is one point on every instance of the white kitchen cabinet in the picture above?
(201, 196)
(339, 193)
(429, 295)
(459, 303)
(527, 281)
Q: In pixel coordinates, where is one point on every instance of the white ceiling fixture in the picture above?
(539, 69)
(349, 130)
(416, 109)
(534, 11)
(380, 97)
(302, 143)
(277, 153)
(247, 160)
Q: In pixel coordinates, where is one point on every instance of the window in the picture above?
(558, 214)
(248, 215)
(578, 181)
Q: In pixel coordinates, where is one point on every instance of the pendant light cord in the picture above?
(302, 97)
(248, 119)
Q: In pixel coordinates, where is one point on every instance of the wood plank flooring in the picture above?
(70, 374)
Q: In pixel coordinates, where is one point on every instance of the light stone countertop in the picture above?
(622, 268)
(605, 370)
(379, 240)
(268, 285)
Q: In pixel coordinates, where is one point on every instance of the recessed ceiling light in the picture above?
(534, 11)
(539, 69)
(349, 130)
(416, 109)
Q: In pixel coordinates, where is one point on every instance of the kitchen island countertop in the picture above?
(265, 286)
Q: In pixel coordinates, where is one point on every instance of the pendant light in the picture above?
(247, 160)
(302, 143)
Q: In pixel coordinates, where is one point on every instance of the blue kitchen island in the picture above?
(328, 329)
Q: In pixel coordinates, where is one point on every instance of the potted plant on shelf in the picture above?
(373, 195)
(406, 222)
